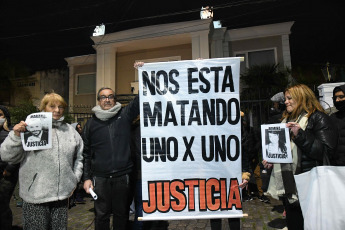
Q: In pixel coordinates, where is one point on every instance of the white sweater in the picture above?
(49, 174)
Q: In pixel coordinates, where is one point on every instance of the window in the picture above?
(261, 57)
(258, 57)
(86, 83)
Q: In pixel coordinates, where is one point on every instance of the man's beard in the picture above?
(36, 135)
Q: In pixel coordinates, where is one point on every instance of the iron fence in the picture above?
(257, 112)
(81, 113)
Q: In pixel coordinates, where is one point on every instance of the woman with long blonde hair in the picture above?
(313, 138)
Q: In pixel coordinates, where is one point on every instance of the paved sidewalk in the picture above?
(260, 216)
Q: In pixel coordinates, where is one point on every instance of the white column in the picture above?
(200, 45)
(71, 90)
(286, 50)
(106, 66)
(217, 43)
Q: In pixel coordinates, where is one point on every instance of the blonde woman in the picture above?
(313, 136)
(47, 177)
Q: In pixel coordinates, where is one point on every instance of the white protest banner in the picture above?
(276, 143)
(320, 194)
(38, 132)
(191, 139)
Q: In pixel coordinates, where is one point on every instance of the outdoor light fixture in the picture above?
(328, 72)
(99, 30)
(206, 12)
(217, 24)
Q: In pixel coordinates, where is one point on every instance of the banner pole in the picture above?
(243, 215)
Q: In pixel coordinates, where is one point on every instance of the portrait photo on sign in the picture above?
(38, 131)
(276, 143)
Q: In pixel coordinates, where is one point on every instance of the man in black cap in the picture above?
(8, 174)
(339, 119)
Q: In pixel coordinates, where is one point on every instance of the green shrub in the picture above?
(20, 112)
(68, 118)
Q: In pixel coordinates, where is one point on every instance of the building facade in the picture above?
(112, 65)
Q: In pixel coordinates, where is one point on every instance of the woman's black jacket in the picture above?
(318, 139)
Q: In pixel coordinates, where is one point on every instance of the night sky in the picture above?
(40, 34)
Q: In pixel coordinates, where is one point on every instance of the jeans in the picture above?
(114, 197)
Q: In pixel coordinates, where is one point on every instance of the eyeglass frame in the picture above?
(103, 98)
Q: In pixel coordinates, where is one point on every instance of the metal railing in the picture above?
(81, 113)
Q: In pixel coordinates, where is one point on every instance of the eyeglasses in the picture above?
(110, 97)
(340, 97)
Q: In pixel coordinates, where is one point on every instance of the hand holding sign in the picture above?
(19, 128)
(266, 164)
(294, 127)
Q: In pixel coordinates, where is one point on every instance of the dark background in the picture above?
(41, 33)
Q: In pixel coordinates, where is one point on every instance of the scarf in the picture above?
(282, 182)
(106, 114)
(58, 123)
(340, 105)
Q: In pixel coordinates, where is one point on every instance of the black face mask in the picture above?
(340, 105)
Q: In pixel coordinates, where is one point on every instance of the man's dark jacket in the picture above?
(339, 120)
(107, 143)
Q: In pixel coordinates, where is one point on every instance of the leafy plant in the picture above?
(266, 76)
(68, 118)
(20, 112)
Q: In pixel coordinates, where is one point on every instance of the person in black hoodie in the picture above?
(339, 119)
(108, 166)
(8, 174)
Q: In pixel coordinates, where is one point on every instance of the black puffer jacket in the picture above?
(319, 138)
